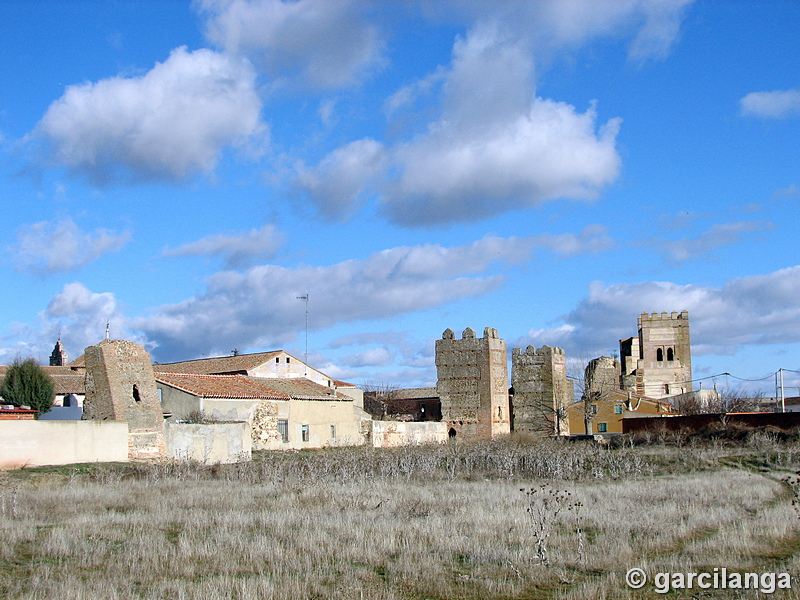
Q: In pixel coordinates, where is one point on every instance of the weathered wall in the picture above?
(664, 364)
(390, 434)
(34, 443)
(208, 443)
(542, 391)
(472, 383)
(121, 386)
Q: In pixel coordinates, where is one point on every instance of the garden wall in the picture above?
(208, 443)
(35, 443)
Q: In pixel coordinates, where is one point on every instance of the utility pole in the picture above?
(305, 297)
(783, 396)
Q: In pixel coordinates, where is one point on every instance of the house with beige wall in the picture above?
(604, 415)
(290, 413)
(277, 364)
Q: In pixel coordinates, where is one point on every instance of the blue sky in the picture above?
(552, 169)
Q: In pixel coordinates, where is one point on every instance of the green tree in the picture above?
(26, 384)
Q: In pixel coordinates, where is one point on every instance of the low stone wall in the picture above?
(388, 434)
(36, 443)
(209, 443)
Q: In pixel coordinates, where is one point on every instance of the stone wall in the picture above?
(390, 434)
(472, 383)
(121, 386)
(664, 362)
(542, 391)
(209, 443)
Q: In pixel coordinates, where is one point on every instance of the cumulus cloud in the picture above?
(590, 240)
(336, 185)
(260, 306)
(771, 105)
(718, 236)
(374, 357)
(652, 26)
(49, 247)
(324, 44)
(757, 309)
(236, 250)
(165, 125)
(76, 315)
(495, 147)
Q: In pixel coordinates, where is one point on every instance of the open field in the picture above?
(484, 520)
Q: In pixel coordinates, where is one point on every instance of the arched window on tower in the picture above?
(660, 354)
(670, 354)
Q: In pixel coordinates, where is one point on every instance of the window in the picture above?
(283, 429)
(135, 392)
(660, 355)
(333, 432)
(304, 432)
(602, 427)
(666, 388)
(287, 360)
(670, 354)
(593, 409)
(618, 409)
(277, 359)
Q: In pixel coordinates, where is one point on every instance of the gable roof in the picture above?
(239, 364)
(234, 387)
(242, 387)
(300, 388)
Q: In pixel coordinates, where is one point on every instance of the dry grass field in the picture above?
(510, 519)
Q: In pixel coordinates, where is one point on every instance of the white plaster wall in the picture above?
(208, 443)
(36, 443)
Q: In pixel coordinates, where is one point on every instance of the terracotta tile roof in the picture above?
(219, 365)
(300, 388)
(234, 387)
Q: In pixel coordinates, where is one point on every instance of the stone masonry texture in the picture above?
(121, 386)
(473, 383)
(542, 391)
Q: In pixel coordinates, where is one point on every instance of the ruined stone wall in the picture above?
(601, 377)
(473, 383)
(542, 391)
(121, 386)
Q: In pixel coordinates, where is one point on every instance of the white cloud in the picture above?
(651, 25)
(790, 191)
(590, 240)
(56, 247)
(374, 357)
(78, 316)
(757, 309)
(341, 179)
(325, 44)
(771, 105)
(236, 250)
(718, 236)
(495, 147)
(165, 125)
(260, 308)
(550, 152)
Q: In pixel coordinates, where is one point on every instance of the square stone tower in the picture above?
(473, 383)
(658, 363)
(121, 386)
(542, 391)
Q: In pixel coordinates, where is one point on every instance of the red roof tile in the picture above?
(235, 387)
